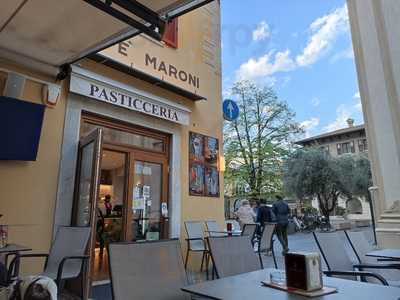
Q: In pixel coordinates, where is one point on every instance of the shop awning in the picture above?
(47, 35)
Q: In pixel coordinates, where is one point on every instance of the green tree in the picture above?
(258, 141)
(357, 178)
(313, 173)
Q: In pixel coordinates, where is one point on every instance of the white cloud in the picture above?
(358, 104)
(325, 30)
(345, 54)
(266, 65)
(343, 113)
(346, 111)
(315, 101)
(262, 32)
(309, 126)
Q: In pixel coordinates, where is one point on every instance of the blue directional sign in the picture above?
(230, 109)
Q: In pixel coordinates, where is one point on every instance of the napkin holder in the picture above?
(303, 271)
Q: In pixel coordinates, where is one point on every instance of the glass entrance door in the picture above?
(149, 207)
(110, 209)
(87, 189)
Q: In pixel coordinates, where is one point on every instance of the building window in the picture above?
(347, 147)
(171, 33)
(362, 145)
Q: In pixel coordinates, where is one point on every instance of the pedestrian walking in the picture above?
(245, 214)
(265, 215)
(281, 211)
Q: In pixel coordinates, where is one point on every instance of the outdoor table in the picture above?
(13, 249)
(385, 253)
(248, 286)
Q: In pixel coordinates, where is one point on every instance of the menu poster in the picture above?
(203, 165)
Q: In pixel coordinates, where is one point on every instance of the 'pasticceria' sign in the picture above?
(124, 97)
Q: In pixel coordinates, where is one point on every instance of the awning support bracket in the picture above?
(65, 71)
(156, 24)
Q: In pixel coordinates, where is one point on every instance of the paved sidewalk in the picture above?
(306, 242)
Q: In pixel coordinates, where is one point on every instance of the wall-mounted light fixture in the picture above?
(222, 163)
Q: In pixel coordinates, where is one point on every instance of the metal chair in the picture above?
(266, 242)
(147, 270)
(361, 247)
(195, 242)
(337, 260)
(66, 259)
(213, 229)
(232, 255)
(250, 231)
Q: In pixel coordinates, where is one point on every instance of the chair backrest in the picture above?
(233, 255)
(194, 230)
(249, 230)
(213, 229)
(69, 241)
(333, 251)
(266, 237)
(360, 246)
(148, 270)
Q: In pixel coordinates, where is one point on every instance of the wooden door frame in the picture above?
(97, 138)
(133, 155)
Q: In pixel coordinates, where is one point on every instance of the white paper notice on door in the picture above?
(146, 191)
(137, 201)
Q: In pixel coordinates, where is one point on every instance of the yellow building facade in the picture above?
(147, 105)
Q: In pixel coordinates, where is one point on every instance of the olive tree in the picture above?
(313, 173)
(357, 178)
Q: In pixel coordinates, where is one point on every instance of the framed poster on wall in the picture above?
(196, 182)
(203, 165)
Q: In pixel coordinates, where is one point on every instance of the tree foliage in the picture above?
(313, 173)
(257, 142)
(361, 178)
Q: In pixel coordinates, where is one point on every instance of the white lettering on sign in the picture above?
(115, 95)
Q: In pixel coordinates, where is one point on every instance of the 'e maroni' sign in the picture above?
(121, 96)
(138, 55)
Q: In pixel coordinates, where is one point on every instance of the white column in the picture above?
(375, 27)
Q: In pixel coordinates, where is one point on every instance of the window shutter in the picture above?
(171, 33)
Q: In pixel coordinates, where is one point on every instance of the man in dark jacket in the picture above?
(281, 210)
(265, 214)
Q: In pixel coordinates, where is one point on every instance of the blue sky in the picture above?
(300, 47)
